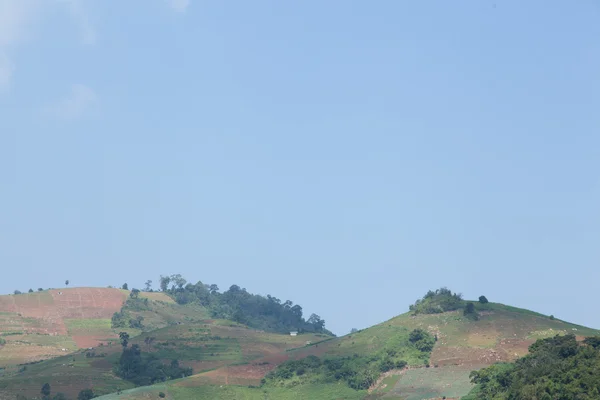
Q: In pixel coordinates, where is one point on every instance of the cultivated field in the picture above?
(222, 349)
(42, 325)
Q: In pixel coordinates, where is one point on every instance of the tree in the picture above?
(125, 286)
(213, 288)
(416, 335)
(40, 289)
(316, 321)
(59, 396)
(178, 281)
(134, 294)
(86, 394)
(148, 340)
(422, 340)
(148, 285)
(353, 330)
(483, 300)
(46, 390)
(30, 290)
(17, 292)
(164, 283)
(124, 337)
(67, 282)
(470, 311)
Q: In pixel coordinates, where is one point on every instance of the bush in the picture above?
(161, 395)
(146, 369)
(86, 394)
(422, 340)
(437, 302)
(470, 311)
(483, 300)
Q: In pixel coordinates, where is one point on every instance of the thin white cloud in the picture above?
(179, 5)
(79, 102)
(15, 15)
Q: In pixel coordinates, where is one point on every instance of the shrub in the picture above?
(161, 395)
(86, 394)
(483, 300)
(470, 311)
(422, 340)
(437, 302)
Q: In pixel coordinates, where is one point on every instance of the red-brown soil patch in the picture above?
(51, 307)
(83, 342)
(249, 374)
(88, 302)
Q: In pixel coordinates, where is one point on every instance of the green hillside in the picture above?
(426, 353)
(468, 338)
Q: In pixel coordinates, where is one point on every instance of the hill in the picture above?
(71, 337)
(468, 338)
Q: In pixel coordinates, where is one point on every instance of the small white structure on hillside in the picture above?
(293, 333)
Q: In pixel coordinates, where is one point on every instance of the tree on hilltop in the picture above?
(67, 282)
(164, 283)
(125, 286)
(135, 293)
(148, 285)
(483, 300)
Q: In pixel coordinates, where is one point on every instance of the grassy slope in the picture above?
(502, 333)
(204, 346)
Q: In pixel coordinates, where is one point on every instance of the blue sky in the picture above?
(346, 155)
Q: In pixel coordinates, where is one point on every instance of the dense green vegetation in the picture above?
(556, 368)
(236, 304)
(145, 368)
(125, 319)
(359, 372)
(437, 302)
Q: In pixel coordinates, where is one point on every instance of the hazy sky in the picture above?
(346, 155)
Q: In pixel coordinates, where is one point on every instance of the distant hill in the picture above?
(465, 342)
(426, 353)
(71, 337)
